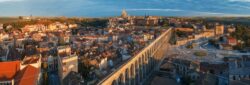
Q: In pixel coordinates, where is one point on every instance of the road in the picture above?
(219, 51)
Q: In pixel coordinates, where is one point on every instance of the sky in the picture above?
(105, 8)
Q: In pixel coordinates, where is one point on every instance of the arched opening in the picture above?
(155, 45)
(141, 69)
(127, 77)
(114, 82)
(137, 76)
(149, 62)
(151, 51)
(151, 59)
(132, 74)
(121, 80)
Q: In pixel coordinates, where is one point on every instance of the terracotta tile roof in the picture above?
(232, 40)
(28, 76)
(8, 70)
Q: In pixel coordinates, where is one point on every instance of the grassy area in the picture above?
(8, 19)
(200, 53)
(190, 46)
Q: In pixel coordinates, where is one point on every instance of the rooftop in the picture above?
(28, 76)
(8, 70)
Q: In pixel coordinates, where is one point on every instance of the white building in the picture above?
(4, 36)
(32, 28)
(72, 25)
(103, 63)
(69, 64)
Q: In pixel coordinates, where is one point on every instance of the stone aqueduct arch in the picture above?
(137, 68)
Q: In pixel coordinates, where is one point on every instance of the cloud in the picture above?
(245, 7)
(202, 13)
(10, 0)
(239, 0)
(153, 9)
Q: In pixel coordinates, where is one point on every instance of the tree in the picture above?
(242, 33)
(189, 46)
(200, 53)
(94, 23)
(212, 41)
(181, 34)
(84, 69)
(20, 17)
(165, 24)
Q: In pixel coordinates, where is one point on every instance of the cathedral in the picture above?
(124, 14)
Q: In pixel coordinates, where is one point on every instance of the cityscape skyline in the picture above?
(124, 42)
(102, 8)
